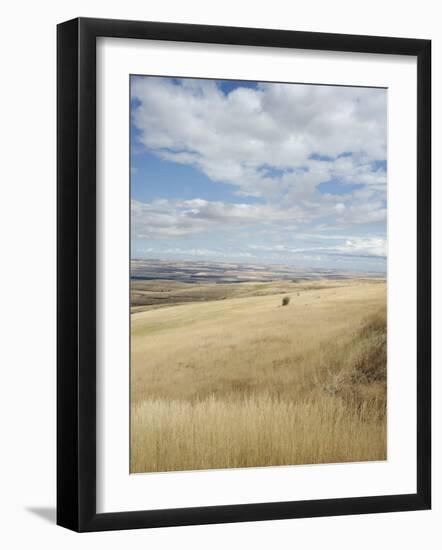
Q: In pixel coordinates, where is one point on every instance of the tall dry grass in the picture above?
(304, 390)
(254, 431)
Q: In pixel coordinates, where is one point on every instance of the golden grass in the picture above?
(254, 431)
(247, 382)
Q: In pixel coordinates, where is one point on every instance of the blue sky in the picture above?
(259, 173)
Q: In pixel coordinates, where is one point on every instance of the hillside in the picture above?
(243, 381)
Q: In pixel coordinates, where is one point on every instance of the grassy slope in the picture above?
(246, 382)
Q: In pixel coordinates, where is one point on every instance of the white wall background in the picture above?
(27, 289)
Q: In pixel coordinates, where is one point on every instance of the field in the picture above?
(223, 375)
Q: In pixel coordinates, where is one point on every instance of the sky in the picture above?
(254, 172)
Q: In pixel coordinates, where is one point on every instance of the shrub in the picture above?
(357, 373)
(371, 363)
(286, 301)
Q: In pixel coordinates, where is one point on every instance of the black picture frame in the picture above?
(77, 287)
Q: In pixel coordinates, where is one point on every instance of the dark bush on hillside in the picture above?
(286, 301)
(371, 363)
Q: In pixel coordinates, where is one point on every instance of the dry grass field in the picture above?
(231, 378)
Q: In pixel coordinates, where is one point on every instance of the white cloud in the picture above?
(172, 218)
(373, 247)
(233, 138)
(376, 246)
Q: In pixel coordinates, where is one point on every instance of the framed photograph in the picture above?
(243, 274)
